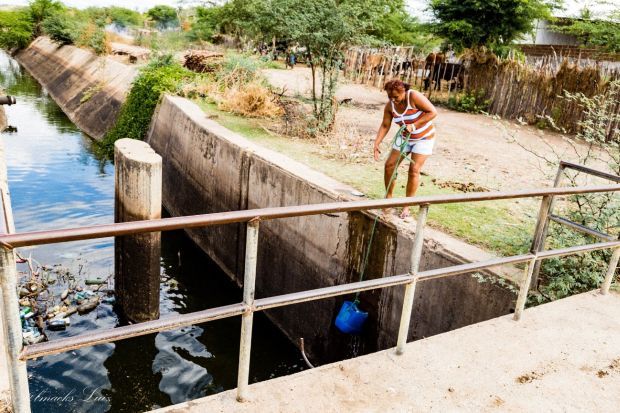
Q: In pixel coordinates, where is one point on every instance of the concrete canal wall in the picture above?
(89, 89)
(208, 168)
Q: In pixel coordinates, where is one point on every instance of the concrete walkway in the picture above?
(563, 356)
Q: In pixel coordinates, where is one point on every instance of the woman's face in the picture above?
(396, 95)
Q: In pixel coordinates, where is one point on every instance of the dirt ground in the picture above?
(471, 149)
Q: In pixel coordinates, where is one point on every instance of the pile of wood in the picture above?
(135, 53)
(203, 61)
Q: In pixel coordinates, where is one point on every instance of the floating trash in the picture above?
(89, 305)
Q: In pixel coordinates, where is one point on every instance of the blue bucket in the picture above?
(350, 319)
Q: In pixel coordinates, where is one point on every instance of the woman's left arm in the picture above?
(421, 102)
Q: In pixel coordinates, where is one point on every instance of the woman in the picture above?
(412, 109)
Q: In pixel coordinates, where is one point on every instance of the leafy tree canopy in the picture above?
(164, 16)
(15, 29)
(593, 32)
(474, 23)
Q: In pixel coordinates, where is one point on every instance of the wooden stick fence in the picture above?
(532, 92)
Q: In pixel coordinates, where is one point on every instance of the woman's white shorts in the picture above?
(421, 146)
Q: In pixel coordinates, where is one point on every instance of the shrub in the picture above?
(469, 102)
(16, 29)
(160, 76)
(253, 100)
(580, 273)
(60, 28)
(93, 37)
(237, 70)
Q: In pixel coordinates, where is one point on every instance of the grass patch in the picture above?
(491, 224)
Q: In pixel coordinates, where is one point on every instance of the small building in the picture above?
(547, 42)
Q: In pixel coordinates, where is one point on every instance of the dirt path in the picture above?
(470, 148)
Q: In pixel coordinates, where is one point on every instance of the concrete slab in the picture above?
(562, 356)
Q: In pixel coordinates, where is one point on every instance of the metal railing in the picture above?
(18, 354)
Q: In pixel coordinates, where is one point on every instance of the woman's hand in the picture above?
(377, 152)
(410, 128)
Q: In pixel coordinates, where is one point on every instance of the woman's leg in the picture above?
(390, 167)
(413, 181)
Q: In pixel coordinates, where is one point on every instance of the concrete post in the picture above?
(611, 271)
(247, 319)
(416, 256)
(138, 181)
(18, 376)
(12, 369)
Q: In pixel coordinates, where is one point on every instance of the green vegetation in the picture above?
(492, 225)
(84, 28)
(40, 10)
(472, 102)
(206, 23)
(165, 17)
(16, 29)
(60, 28)
(397, 27)
(594, 32)
(492, 23)
(160, 76)
(565, 276)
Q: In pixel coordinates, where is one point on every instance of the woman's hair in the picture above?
(396, 84)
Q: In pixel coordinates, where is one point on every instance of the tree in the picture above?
(397, 26)
(474, 23)
(123, 17)
(594, 32)
(15, 29)
(322, 27)
(60, 28)
(163, 16)
(207, 22)
(40, 10)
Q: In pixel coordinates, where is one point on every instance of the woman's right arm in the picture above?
(386, 123)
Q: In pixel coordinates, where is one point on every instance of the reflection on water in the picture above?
(57, 181)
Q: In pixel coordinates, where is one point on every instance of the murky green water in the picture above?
(56, 181)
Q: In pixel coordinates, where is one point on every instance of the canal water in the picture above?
(57, 180)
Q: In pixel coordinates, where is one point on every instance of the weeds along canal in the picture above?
(56, 180)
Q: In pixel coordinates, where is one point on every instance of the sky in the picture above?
(416, 7)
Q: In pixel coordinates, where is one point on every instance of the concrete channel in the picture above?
(207, 168)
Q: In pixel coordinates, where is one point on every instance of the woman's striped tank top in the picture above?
(423, 132)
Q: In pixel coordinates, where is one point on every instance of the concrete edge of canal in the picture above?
(4, 376)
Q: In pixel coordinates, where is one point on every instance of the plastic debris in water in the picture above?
(57, 324)
(109, 300)
(89, 305)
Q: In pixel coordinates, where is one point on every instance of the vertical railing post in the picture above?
(611, 270)
(540, 234)
(416, 255)
(249, 284)
(524, 288)
(18, 376)
(545, 228)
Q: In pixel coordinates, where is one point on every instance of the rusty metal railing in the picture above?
(250, 305)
